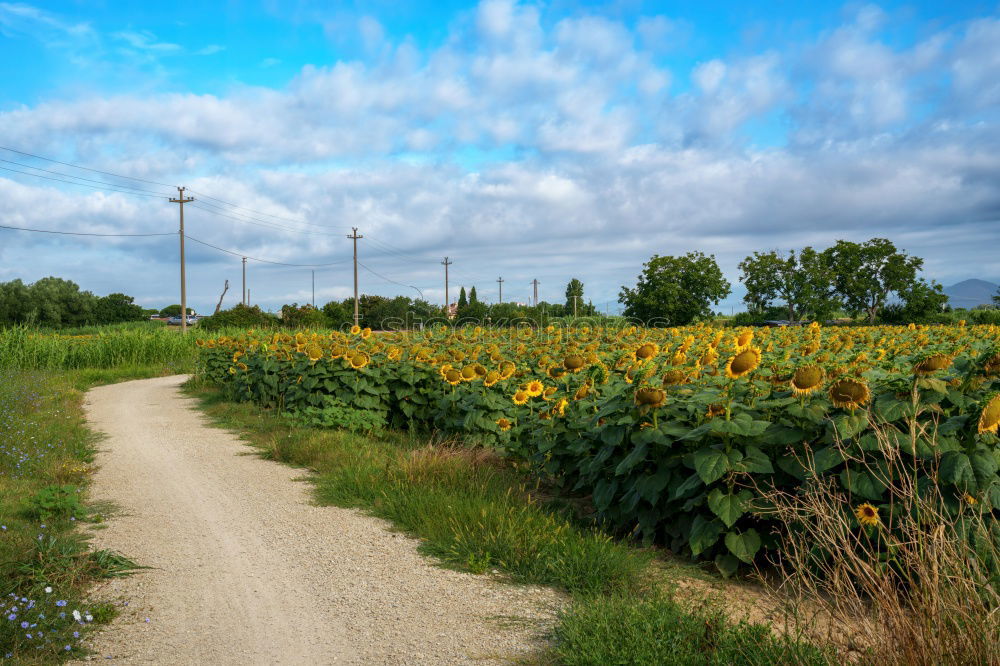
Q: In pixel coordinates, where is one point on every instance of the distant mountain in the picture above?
(970, 293)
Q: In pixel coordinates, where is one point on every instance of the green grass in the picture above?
(106, 348)
(476, 512)
(620, 630)
(45, 452)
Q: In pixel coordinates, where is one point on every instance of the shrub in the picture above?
(239, 316)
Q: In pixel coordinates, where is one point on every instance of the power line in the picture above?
(73, 182)
(76, 166)
(80, 233)
(258, 212)
(266, 261)
(392, 281)
(89, 180)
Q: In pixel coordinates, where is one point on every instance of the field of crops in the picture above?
(106, 347)
(673, 432)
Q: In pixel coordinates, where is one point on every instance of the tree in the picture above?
(996, 298)
(675, 291)
(57, 302)
(801, 281)
(462, 300)
(174, 311)
(473, 298)
(304, 316)
(339, 314)
(574, 295)
(920, 304)
(116, 308)
(13, 303)
(865, 274)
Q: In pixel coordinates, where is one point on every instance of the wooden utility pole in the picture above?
(535, 284)
(245, 281)
(181, 200)
(447, 302)
(500, 282)
(354, 236)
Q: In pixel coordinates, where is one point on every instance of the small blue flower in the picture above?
(61, 603)
(24, 625)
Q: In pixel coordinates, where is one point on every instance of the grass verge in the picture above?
(476, 512)
(46, 566)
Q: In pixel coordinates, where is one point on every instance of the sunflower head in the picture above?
(366, 333)
(507, 369)
(452, 376)
(743, 362)
(674, 377)
(469, 373)
(359, 359)
(989, 416)
(521, 397)
(492, 377)
(807, 379)
(932, 363)
(534, 388)
(849, 393)
(574, 362)
(314, 351)
(648, 350)
(504, 424)
(355, 330)
(744, 339)
(867, 514)
(549, 392)
(582, 392)
(650, 397)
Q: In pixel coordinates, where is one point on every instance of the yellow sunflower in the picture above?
(932, 364)
(366, 333)
(452, 376)
(582, 392)
(647, 350)
(521, 397)
(989, 417)
(807, 379)
(504, 424)
(359, 360)
(574, 362)
(867, 514)
(650, 397)
(849, 393)
(560, 408)
(492, 377)
(742, 363)
(534, 388)
(355, 330)
(469, 373)
(549, 392)
(674, 377)
(314, 351)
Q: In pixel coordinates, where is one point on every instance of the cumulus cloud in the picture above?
(543, 149)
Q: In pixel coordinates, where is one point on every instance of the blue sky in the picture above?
(530, 140)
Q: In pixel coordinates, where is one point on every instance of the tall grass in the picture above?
(925, 592)
(25, 348)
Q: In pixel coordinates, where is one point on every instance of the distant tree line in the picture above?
(57, 303)
(872, 280)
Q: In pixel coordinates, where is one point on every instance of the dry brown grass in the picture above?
(925, 592)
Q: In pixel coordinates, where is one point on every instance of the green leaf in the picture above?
(726, 564)
(689, 484)
(631, 460)
(704, 533)
(743, 545)
(956, 469)
(792, 466)
(604, 492)
(933, 384)
(862, 484)
(728, 507)
(710, 464)
(650, 486)
(825, 459)
(756, 461)
(984, 466)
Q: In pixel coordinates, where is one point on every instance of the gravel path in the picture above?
(247, 570)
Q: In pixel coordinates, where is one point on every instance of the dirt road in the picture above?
(247, 570)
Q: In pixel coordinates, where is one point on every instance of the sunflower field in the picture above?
(671, 432)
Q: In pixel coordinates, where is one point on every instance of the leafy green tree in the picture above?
(238, 316)
(174, 311)
(865, 274)
(117, 308)
(675, 291)
(462, 299)
(800, 281)
(923, 302)
(574, 295)
(339, 314)
(13, 303)
(55, 302)
(473, 298)
(304, 316)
